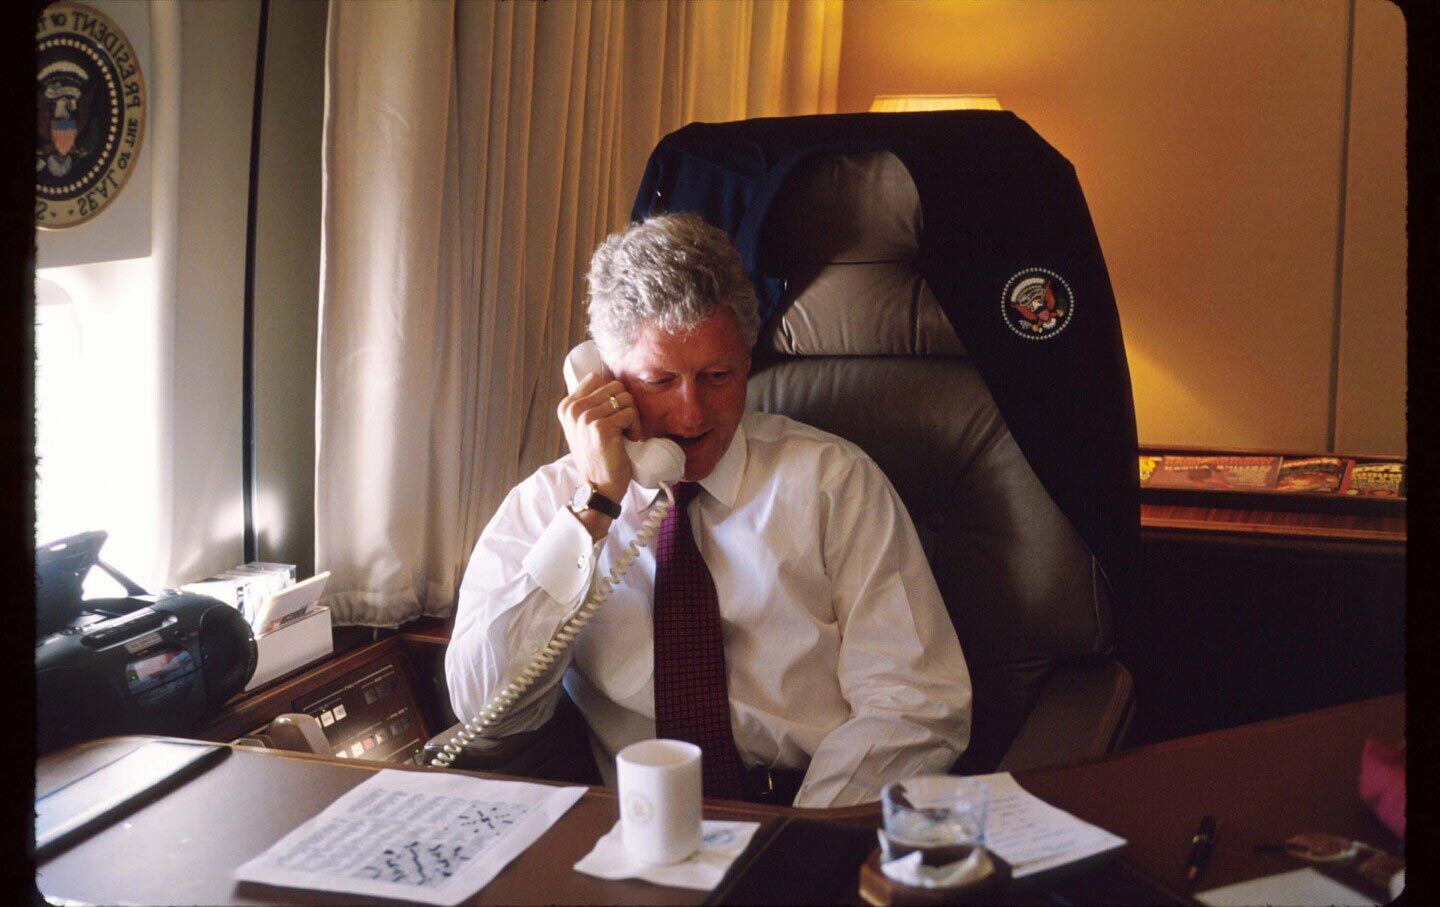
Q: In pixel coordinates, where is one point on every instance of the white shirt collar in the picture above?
(723, 482)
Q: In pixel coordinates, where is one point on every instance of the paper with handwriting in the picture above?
(1033, 836)
(413, 836)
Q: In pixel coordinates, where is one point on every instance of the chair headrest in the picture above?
(845, 231)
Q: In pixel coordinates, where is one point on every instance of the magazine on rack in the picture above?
(1213, 472)
(1316, 475)
(1383, 480)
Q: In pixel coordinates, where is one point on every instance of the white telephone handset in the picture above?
(658, 462)
(655, 461)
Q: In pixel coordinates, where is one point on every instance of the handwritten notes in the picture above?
(413, 836)
(1033, 836)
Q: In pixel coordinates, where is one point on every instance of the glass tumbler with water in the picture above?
(942, 817)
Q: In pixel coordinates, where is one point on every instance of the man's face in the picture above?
(690, 387)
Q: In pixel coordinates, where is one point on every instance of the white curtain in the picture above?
(475, 154)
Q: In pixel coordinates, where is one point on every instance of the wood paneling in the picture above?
(1244, 616)
(1253, 526)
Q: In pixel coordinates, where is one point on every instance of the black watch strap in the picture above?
(603, 504)
(598, 501)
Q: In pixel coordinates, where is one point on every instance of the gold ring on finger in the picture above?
(614, 404)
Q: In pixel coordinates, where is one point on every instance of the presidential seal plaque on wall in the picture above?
(90, 98)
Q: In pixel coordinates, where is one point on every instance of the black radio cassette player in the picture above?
(143, 664)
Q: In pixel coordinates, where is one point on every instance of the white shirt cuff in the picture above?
(563, 558)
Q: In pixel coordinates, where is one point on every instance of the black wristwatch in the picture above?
(587, 498)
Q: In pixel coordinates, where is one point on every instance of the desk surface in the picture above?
(1265, 782)
(171, 851)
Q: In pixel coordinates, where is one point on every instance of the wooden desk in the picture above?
(1265, 782)
(182, 848)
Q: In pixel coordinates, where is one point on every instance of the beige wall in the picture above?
(1371, 411)
(1208, 137)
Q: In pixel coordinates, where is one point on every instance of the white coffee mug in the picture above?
(660, 794)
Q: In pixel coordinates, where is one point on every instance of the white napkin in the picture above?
(720, 844)
(908, 871)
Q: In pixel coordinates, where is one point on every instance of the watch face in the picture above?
(581, 499)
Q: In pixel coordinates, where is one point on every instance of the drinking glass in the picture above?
(942, 817)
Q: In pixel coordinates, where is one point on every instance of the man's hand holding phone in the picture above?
(597, 418)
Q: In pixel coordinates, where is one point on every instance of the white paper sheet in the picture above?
(1031, 835)
(1298, 888)
(414, 836)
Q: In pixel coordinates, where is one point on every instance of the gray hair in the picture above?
(672, 271)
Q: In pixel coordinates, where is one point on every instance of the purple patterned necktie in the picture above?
(691, 699)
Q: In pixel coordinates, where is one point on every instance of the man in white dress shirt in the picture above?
(839, 657)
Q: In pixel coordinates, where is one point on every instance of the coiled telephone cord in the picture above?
(501, 702)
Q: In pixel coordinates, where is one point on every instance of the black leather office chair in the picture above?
(858, 346)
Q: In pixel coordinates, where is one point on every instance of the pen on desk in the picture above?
(1200, 848)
